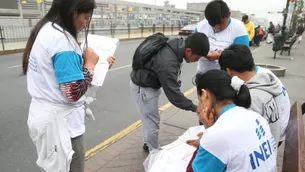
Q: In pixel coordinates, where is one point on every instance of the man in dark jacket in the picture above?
(299, 33)
(271, 31)
(163, 70)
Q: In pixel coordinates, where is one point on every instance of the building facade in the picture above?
(111, 12)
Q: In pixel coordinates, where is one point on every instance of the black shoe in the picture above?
(145, 147)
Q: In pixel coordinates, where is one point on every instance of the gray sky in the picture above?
(258, 7)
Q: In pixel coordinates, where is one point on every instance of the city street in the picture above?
(113, 110)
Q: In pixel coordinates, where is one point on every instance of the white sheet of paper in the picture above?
(104, 47)
(175, 156)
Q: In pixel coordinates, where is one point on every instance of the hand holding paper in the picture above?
(90, 58)
(104, 47)
(111, 61)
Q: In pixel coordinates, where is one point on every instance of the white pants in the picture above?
(270, 38)
(49, 131)
(300, 38)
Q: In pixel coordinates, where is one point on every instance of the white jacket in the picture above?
(49, 131)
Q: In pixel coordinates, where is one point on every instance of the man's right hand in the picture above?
(90, 58)
(213, 55)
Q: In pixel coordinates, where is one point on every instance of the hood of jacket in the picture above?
(265, 82)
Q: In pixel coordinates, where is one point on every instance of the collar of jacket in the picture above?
(178, 45)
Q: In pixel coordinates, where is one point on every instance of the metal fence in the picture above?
(20, 34)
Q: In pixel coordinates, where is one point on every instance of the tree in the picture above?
(298, 16)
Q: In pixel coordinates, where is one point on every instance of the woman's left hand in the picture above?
(207, 117)
(111, 61)
(196, 142)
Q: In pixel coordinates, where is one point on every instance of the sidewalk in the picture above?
(133, 35)
(126, 155)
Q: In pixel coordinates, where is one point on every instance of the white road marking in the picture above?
(118, 68)
(10, 67)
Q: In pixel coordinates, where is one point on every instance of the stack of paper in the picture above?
(176, 156)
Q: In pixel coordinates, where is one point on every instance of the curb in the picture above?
(14, 51)
(20, 50)
(279, 71)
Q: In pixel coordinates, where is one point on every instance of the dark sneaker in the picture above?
(145, 147)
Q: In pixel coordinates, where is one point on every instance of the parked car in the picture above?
(187, 30)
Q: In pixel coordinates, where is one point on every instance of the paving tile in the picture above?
(138, 167)
(117, 162)
(117, 169)
(173, 130)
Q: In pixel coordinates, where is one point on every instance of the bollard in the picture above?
(163, 28)
(92, 29)
(2, 39)
(172, 29)
(154, 28)
(128, 27)
(142, 30)
(114, 26)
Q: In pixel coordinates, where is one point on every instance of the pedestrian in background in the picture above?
(250, 28)
(300, 31)
(271, 31)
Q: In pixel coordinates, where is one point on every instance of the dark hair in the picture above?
(245, 17)
(199, 43)
(238, 58)
(218, 83)
(215, 11)
(61, 13)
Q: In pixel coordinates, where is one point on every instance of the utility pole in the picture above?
(286, 11)
(20, 9)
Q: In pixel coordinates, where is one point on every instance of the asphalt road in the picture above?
(113, 109)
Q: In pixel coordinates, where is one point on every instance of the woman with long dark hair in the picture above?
(59, 73)
(236, 139)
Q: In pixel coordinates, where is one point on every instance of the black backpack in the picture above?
(147, 49)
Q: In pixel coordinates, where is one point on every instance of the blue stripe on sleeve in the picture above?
(207, 162)
(195, 30)
(68, 67)
(244, 40)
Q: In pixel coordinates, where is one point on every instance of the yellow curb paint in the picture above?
(90, 153)
(98, 148)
